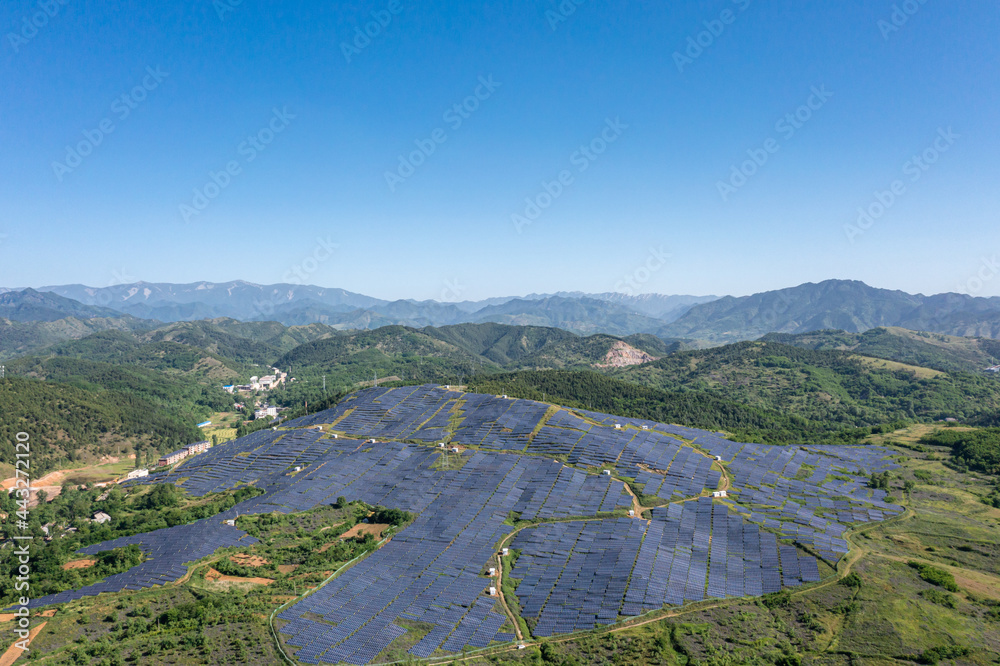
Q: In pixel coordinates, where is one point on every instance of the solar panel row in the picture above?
(574, 575)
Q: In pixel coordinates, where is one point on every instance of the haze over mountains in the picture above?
(845, 305)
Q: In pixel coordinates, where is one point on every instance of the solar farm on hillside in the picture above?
(554, 485)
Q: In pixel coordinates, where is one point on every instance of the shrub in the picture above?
(935, 576)
(940, 598)
(934, 655)
(852, 580)
(776, 599)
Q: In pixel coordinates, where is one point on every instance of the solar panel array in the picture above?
(168, 551)
(575, 575)
(812, 494)
(494, 423)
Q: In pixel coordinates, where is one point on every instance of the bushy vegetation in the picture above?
(852, 581)
(393, 517)
(940, 598)
(935, 576)
(927, 350)
(934, 655)
(76, 422)
(880, 481)
(977, 450)
(833, 389)
(591, 390)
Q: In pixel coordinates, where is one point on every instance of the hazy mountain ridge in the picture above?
(619, 314)
(836, 304)
(33, 305)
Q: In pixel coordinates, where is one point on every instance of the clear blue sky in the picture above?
(447, 229)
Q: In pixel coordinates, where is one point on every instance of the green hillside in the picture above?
(26, 337)
(597, 392)
(390, 351)
(446, 355)
(584, 316)
(499, 343)
(80, 422)
(120, 348)
(210, 337)
(589, 352)
(930, 350)
(271, 333)
(837, 388)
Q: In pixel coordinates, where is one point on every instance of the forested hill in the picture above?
(68, 424)
(838, 388)
(593, 391)
(930, 350)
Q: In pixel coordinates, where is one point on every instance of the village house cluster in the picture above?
(265, 383)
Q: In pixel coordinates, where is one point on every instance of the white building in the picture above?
(198, 447)
(265, 412)
(136, 474)
(100, 517)
(720, 493)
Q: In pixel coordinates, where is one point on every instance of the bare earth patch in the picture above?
(375, 529)
(217, 577)
(622, 355)
(79, 564)
(248, 560)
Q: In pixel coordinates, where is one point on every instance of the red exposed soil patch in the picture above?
(218, 577)
(79, 564)
(375, 529)
(248, 560)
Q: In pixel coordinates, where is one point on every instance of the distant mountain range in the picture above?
(32, 305)
(296, 305)
(845, 305)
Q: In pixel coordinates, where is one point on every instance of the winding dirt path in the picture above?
(503, 601)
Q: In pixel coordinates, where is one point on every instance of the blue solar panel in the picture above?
(572, 575)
